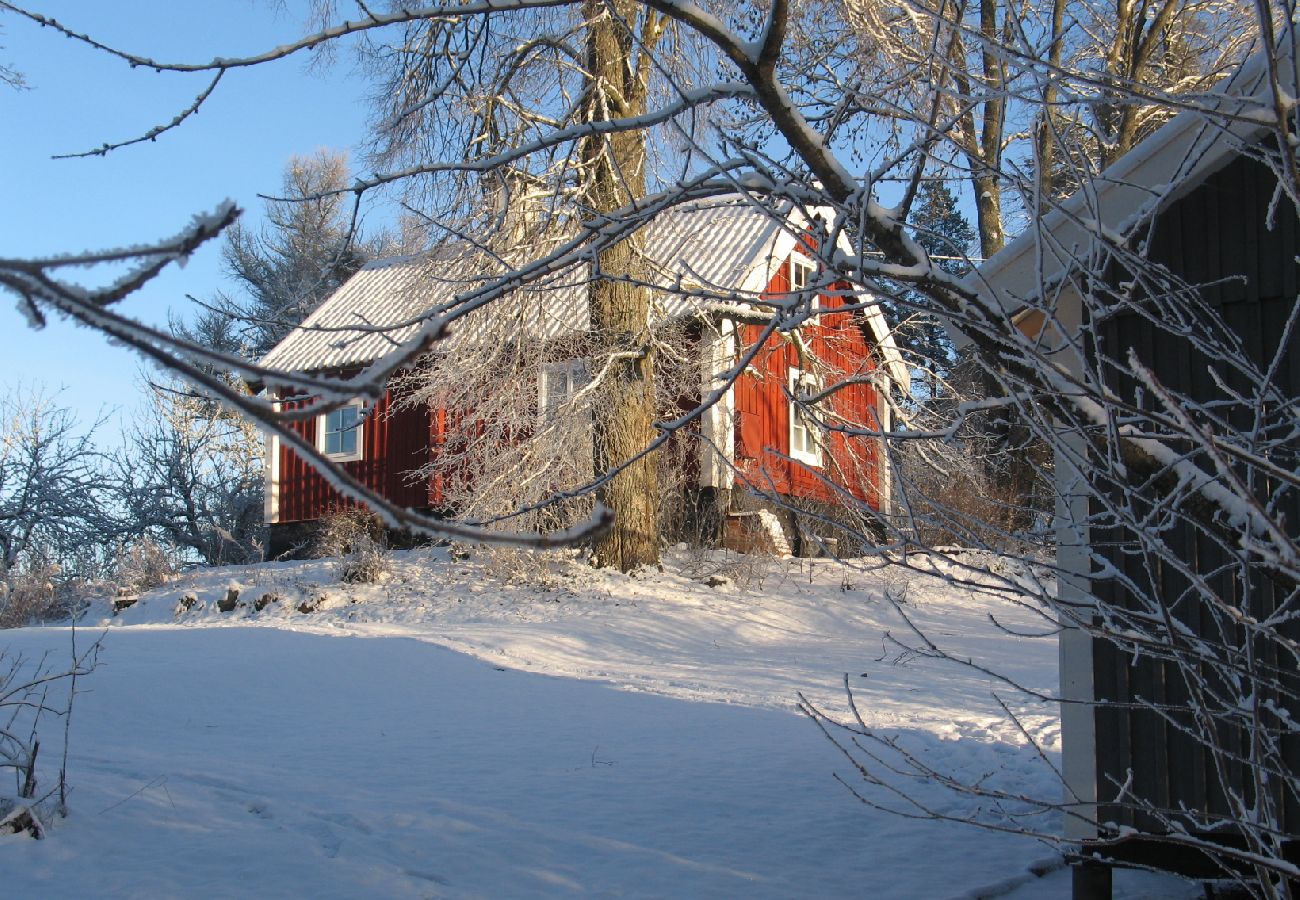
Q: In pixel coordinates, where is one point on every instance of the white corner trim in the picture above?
(1078, 712)
(717, 425)
(271, 482)
(884, 464)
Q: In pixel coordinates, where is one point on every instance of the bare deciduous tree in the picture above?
(189, 477)
(52, 497)
(521, 116)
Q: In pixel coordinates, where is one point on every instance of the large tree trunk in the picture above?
(982, 141)
(620, 312)
(988, 190)
(988, 214)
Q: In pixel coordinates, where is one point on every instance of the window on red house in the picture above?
(339, 433)
(805, 444)
(558, 384)
(802, 274)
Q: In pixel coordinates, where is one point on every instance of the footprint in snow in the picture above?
(426, 876)
(347, 820)
(330, 842)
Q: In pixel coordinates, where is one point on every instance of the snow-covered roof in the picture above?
(700, 254)
(1158, 171)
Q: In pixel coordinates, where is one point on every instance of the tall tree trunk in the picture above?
(1046, 135)
(988, 213)
(982, 141)
(620, 311)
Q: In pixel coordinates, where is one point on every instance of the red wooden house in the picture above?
(757, 440)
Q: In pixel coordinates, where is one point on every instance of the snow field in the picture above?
(348, 752)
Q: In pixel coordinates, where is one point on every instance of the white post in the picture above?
(271, 465)
(718, 350)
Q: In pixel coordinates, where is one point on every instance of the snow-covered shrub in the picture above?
(748, 571)
(144, 564)
(356, 540)
(33, 706)
(988, 487)
(39, 593)
(542, 569)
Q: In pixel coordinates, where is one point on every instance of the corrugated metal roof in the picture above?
(726, 247)
(722, 249)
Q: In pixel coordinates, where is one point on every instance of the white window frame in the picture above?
(805, 442)
(574, 374)
(359, 429)
(801, 273)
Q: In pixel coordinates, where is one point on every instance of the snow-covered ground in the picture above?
(447, 735)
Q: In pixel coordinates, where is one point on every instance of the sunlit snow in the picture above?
(444, 734)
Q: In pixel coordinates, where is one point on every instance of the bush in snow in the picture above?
(357, 541)
(32, 706)
(143, 565)
(31, 594)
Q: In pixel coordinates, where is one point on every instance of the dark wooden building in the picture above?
(1205, 272)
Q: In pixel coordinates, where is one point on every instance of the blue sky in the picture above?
(79, 99)
(236, 147)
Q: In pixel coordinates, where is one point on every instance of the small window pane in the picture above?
(341, 431)
(579, 376)
(801, 276)
(557, 389)
(560, 381)
(803, 440)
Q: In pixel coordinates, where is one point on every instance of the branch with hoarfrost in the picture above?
(157, 131)
(893, 773)
(34, 282)
(308, 42)
(559, 137)
(882, 761)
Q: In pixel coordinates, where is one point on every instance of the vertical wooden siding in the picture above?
(763, 412)
(1216, 231)
(396, 441)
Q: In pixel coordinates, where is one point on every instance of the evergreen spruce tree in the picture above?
(948, 237)
(283, 270)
